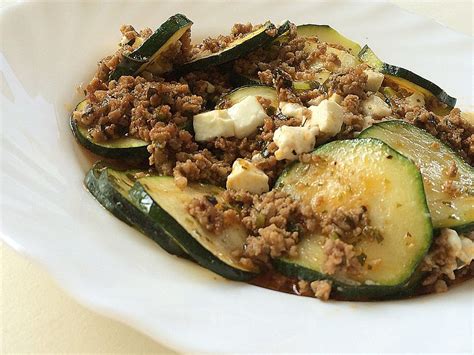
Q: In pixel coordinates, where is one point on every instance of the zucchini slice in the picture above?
(350, 174)
(434, 159)
(148, 55)
(110, 187)
(238, 80)
(328, 34)
(406, 78)
(236, 49)
(237, 95)
(165, 204)
(120, 148)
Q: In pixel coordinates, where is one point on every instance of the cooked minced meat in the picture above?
(221, 42)
(320, 288)
(350, 225)
(340, 256)
(273, 221)
(448, 253)
(451, 129)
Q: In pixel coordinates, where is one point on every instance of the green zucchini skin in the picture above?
(122, 148)
(368, 56)
(257, 39)
(415, 144)
(239, 80)
(237, 95)
(136, 61)
(348, 292)
(166, 225)
(326, 33)
(354, 168)
(102, 182)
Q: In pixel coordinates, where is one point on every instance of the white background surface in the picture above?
(37, 317)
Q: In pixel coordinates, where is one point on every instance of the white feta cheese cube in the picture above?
(247, 116)
(327, 116)
(376, 107)
(290, 109)
(415, 100)
(246, 176)
(374, 80)
(212, 124)
(293, 141)
(336, 98)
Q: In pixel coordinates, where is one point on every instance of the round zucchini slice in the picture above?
(361, 173)
(328, 34)
(165, 204)
(236, 49)
(450, 198)
(120, 148)
(407, 79)
(111, 187)
(149, 55)
(237, 95)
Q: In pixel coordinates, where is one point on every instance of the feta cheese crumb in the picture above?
(212, 124)
(247, 115)
(376, 107)
(293, 141)
(336, 98)
(415, 100)
(327, 116)
(246, 176)
(374, 80)
(462, 247)
(290, 109)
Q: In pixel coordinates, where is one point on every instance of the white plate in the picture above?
(48, 49)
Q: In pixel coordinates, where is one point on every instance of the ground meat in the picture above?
(206, 213)
(440, 261)
(451, 129)
(340, 257)
(320, 289)
(273, 221)
(271, 241)
(351, 225)
(352, 81)
(214, 45)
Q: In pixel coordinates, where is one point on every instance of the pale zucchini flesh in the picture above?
(239, 94)
(350, 174)
(167, 205)
(111, 188)
(328, 34)
(434, 159)
(123, 147)
(238, 48)
(408, 80)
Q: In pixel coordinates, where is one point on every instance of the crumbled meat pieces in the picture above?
(351, 225)
(206, 213)
(320, 288)
(340, 257)
(273, 220)
(448, 253)
(451, 129)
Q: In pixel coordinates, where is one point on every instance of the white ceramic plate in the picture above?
(50, 48)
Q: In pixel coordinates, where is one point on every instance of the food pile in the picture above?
(284, 153)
